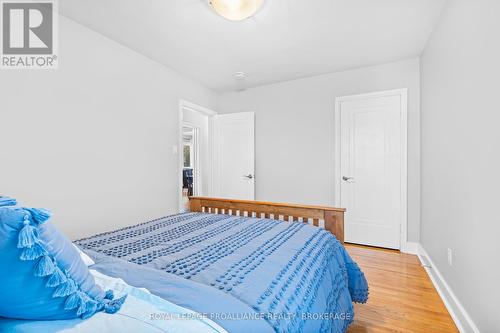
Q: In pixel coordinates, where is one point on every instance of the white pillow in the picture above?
(85, 258)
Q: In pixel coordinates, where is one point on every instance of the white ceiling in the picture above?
(286, 39)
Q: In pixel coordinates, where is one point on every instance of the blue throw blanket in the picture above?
(296, 277)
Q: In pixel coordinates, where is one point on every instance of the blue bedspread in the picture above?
(293, 276)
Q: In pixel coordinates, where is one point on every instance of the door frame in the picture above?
(403, 94)
(186, 105)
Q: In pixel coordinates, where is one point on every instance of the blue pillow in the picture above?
(43, 276)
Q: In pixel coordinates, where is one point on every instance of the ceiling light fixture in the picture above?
(236, 10)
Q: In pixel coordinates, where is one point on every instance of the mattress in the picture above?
(243, 273)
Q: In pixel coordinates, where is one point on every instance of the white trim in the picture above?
(403, 93)
(196, 108)
(211, 148)
(410, 248)
(462, 319)
(185, 105)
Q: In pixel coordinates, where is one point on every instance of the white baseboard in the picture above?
(410, 247)
(458, 313)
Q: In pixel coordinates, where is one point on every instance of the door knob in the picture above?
(250, 176)
(348, 179)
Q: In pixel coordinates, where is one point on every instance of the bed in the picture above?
(246, 265)
(135, 315)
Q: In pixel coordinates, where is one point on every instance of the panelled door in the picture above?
(372, 167)
(234, 149)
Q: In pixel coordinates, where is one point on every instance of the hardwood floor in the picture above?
(402, 297)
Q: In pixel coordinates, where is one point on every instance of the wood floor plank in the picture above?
(402, 297)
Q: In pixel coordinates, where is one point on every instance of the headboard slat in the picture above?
(333, 217)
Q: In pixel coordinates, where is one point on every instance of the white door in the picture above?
(234, 176)
(373, 167)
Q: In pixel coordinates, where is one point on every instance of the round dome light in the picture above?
(236, 10)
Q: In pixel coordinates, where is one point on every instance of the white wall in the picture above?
(460, 155)
(93, 140)
(295, 132)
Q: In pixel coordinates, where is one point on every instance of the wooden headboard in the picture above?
(332, 219)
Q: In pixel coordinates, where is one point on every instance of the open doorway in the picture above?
(195, 147)
(190, 162)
